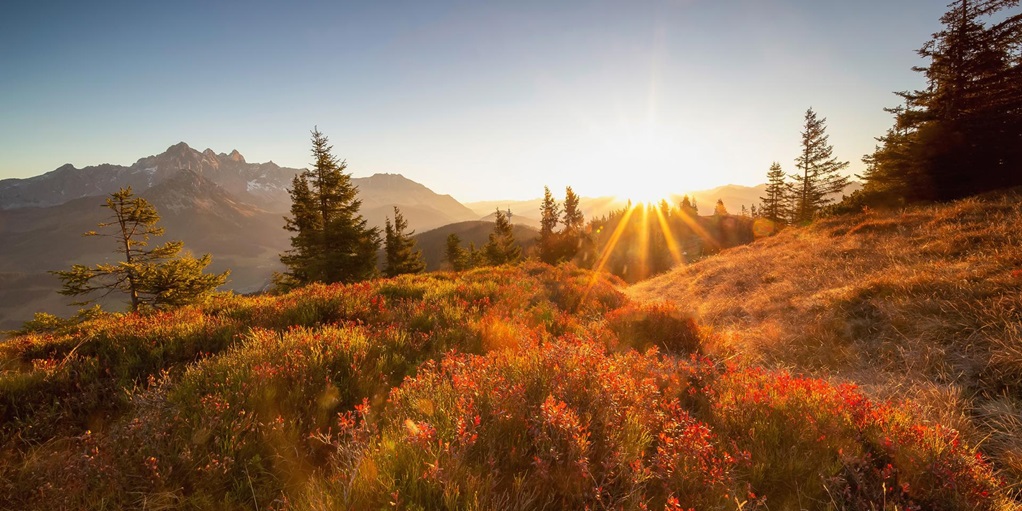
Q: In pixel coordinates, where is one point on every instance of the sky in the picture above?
(480, 100)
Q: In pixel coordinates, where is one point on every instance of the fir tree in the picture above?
(502, 247)
(156, 277)
(963, 133)
(572, 218)
(573, 236)
(773, 205)
(402, 257)
(456, 256)
(332, 242)
(549, 210)
(818, 175)
(719, 209)
(688, 207)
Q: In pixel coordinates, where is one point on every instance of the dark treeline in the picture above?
(962, 134)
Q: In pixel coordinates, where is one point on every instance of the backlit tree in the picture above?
(152, 277)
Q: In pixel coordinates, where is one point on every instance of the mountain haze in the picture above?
(215, 203)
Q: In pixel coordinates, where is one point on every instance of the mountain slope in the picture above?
(434, 243)
(241, 237)
(924, 302)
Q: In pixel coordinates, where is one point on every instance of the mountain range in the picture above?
(216, 203)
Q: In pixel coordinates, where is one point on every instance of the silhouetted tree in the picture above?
(719, 209)
(573, 233)
(456, 256)
(331, 241)
(549, 246)
(963, 133)
(502, 247)
(688, 207)
(774, 202)
(818, 176)
(154, 277)
(399, 247)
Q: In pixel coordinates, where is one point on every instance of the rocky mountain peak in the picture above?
(235, 156)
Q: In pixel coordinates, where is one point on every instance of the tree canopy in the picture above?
(402, 257)
(152, 277)
(331, 241)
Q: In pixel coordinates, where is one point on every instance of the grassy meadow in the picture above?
(528, 387)
(922, 303)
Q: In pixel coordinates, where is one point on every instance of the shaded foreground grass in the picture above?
(503, 388)
(922, 303)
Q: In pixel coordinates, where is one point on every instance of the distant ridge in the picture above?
(263, 185)
(216, 203)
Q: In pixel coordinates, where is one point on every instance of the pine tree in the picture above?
(456, 256)
(719, 209)
(573, 236)
(549, 210)
(688, 207)
(963, 133)
(773, 205)
(156, 277)
(572, 217)
(476, 257)
(502, 247)
(402, 257)
(332, 242)
(819, 171)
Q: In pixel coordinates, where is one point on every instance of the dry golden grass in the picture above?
(923, 303)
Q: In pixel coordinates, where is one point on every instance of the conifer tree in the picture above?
(572, 218)
(456, 256)
(573, 236)
(402, 257)
(773, 205)
(818, 175)
(332, 242)
(155, 277)
(549, 210)
(476, 257)
(719, 209)
(502, 247)
(688, 207)
(962, 134)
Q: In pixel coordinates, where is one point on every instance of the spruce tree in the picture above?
(962, 134)
(502, 247)
(402, 257)
(456, 256)
(773, 205)
(818, 176)
(549, 210)
(688, 208)
(572, 217)
(573, 236)
(153, 278)
(719, 209)
(332, 242)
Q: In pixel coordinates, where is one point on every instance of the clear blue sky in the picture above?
(482, 100)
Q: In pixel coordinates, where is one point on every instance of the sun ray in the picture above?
(609, 248)
(672, 244)
(699, 231)
(643, 260)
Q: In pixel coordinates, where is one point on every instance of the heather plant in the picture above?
(662, 325)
